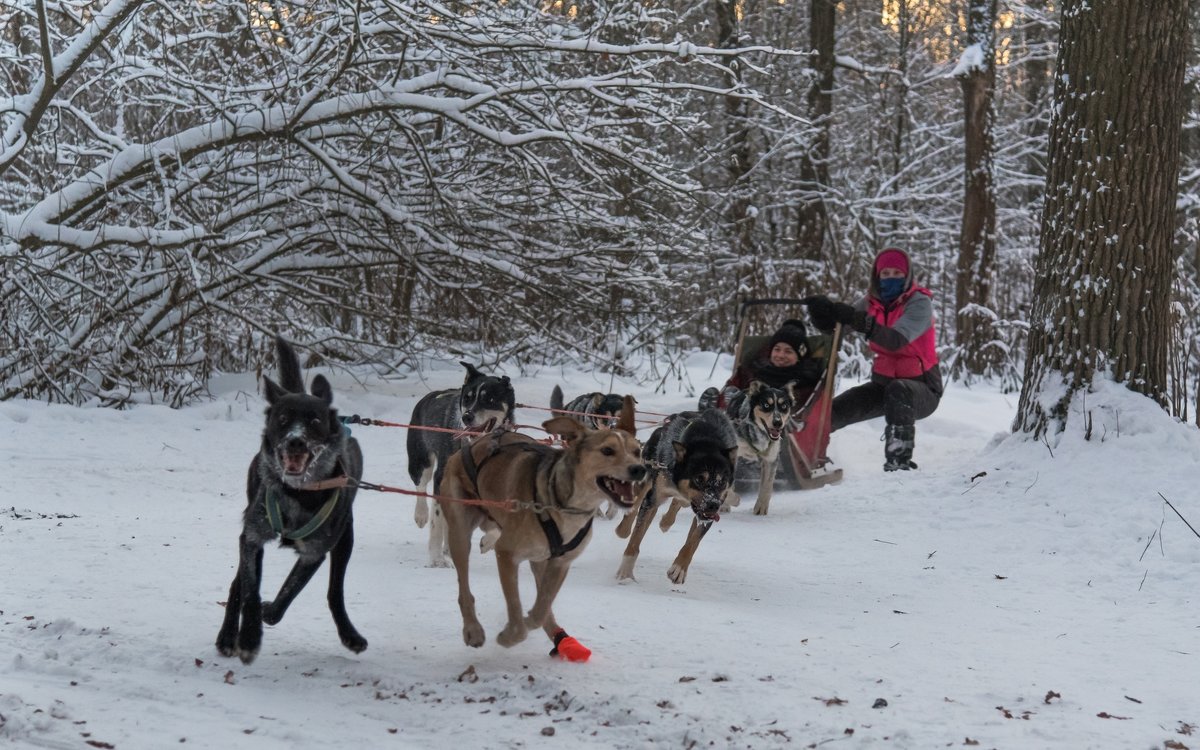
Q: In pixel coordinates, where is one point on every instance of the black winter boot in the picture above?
(898, 447)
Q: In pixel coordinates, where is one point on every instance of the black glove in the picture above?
(822, 311)
(826, 313)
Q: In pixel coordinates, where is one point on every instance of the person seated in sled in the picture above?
(896, 317)
(784, 359)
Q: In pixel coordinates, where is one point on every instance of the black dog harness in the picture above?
(547, 455)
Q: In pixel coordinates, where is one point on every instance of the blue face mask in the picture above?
(890, 289)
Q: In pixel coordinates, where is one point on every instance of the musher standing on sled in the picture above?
(896, 316)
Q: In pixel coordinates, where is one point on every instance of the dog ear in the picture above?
(556, 399)
(597, 399)
(272, 391)
(565, 427)
(472, 373)
(755, 387)
(322, 390)
(626, 421)
(731, 454)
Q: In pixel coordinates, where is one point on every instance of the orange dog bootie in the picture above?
(566, 647)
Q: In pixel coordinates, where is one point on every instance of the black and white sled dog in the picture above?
(760, 417)
(693, 457)
(483, 403)
(596, 411)
(300, 488)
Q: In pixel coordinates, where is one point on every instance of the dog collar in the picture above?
(275, 517)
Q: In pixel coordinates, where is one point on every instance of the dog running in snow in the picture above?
(693, 457)
(297, 490)
(760, 415)
(481, 404)
(599, 411)
(557, 493)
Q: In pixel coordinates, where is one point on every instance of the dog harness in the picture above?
(275, 517)
(546, 454)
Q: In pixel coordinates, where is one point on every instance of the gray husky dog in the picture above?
(483, 403)
(300, 488)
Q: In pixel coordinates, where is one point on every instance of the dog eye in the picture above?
(282, 420)
(607, 451)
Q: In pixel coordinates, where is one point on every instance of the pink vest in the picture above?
(913, 359)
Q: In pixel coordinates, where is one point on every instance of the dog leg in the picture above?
(642, 520)
(437, 540)
(549, 576)
(249, 638)
(301, 573)
(626, 524)
(458, 536)
(678, 570)
(668, 519)
(766, 486)
(515, 631)
(339, 559)
(227, 636)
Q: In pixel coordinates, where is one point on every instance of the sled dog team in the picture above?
(302, 483)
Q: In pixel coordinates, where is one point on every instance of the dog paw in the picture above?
(487, 542)
(731, 500)
(353, 641)
(625, 572)
(421, 516)
(512, 634)
(760, 508)
(440, 562)
(473, 634)
(270, 615)
(677, 573)
(226, 646)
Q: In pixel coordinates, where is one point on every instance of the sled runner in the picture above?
(803, 464)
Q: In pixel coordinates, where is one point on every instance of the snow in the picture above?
(1010, 593)
(970, 61)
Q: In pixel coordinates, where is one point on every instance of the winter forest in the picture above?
(529, 183)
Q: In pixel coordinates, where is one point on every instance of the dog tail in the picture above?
(556, 399)
(290, 378)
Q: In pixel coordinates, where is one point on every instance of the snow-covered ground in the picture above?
(1009, 594)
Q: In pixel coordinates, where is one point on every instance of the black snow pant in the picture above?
(901, 401)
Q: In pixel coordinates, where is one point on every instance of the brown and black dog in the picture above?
(693, 455)
(557, 493)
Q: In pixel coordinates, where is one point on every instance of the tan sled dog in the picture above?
(557, 492)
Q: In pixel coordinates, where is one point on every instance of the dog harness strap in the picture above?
(554, 536)
(275, 517)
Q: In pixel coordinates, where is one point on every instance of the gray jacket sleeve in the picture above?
(915, 320)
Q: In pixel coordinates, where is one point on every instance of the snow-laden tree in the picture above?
(1102, 295)
(372, 177)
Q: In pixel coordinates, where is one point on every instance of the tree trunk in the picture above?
(977, 241)
(812, 218)
(1104, 270)
(737, 129)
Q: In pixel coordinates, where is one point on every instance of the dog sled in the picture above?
(803, 463)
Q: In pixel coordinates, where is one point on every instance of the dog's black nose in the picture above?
(637, 473)
(468, 418)
(295, 445)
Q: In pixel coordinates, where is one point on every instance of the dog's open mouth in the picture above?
(294, 463)
(618, 491)
(774, 433)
